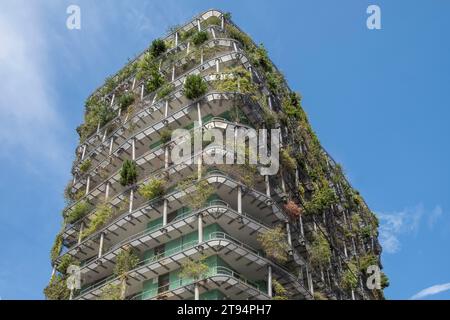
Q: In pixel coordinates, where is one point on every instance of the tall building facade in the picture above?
(140, 224)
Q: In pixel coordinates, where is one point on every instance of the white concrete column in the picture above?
(235, 47)
(199, 28)
(239, 200)
(289, 238)
(269, 281)
(222, 22)
(100, 247)
(142, 92)
(296, 177)
(353, 295)
(300, 219)
(166, 157)
(188, 47)
(309, 279)
(213, 33)
(217, 65)
(201, 57)
(134, 83)
(165, 212)
(130, 209)
(83, 153)
(98, 127)
(71, 294)
(283, 184)
(104, 135)
(107, 191)
(345, 250)
(53, 272)
(133, 149)
(199, 115)
(112, 100)
(80, 234)
(111, 145)
(269, 102)
(88, 182)
(199, 167)
(173, 73)
(176, 39)
(196, 292)
(200, 228)
(166, 109)
(267, 186)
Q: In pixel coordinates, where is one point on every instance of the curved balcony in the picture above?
(182, 63)
(224, 59)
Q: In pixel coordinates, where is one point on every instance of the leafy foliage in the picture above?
(349, 278)
(128, 173)
(85, 165)
(153, 189)
(126, 100)
(320, 252)
(57, 289)
(102, 214)
(274, 244)
(238, 80)
(157, 48)
(197, 198)
(66, 261)
(156, 80)
(199, 37)
(194, 87)
(287, 160)
(280, 291)
(78, 211)
(56, 248)
(194, 269)
(322, 200)
(166, 135)
(292, 209)
(165, 90)
(111, 292)
(126, 261)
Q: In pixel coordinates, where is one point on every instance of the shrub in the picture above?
(57, 289)
(145, 66)
(280, 292)
(126, 261)
(240, 81)
(287, 161)
(165, 91)
(321, 201)
(320, 252)
(194, 87)
(261, 58)
(79, 211)
(235, 34)
(366, 261)
(85, 165)
(156, 80)
(128, 173)
(292, 209)
(126, 100)
(157, 48)
(102, 214)
(111, 292)
(199, 37)
(384, 281)
(153, 189)
(166, 135)
(200, 196)
(66, 261)
(191, 269)
(274, 244)
(349, 278)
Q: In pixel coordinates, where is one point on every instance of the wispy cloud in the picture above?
(29, 120)
(430, 291)
(407, 221)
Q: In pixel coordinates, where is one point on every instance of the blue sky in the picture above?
(378, 100)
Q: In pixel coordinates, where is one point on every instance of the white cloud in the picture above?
(407, 221)
(29, 121)
(431, 291)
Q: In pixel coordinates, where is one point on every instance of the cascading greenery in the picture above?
(78, 212)
(126, 261)
(152, 189)
(274, 244)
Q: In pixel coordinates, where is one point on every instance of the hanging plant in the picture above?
(128, 173)
(56, 248)
(194, 87)
(349, 280)
(320, 251)
(57, 289)
(280, 291)
(102, 215)
(287, 161)
(274, 244)
(321, 201)
(66, 261)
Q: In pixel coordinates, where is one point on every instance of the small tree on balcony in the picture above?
(157, 48)
(155, 81)
(194, 269)
(199, 37)
(128, 173)
(102, 214)
(274, 244)
(126, 261)
(292, 209)
(153, 189)
(194, 87)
